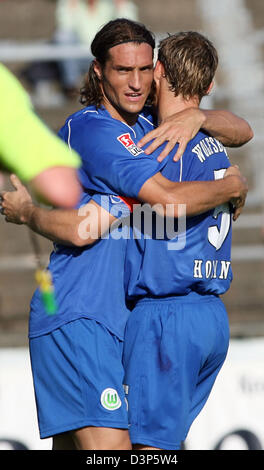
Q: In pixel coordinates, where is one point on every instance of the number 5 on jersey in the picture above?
(217, 236)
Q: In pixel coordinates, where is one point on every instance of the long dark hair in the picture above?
(115, 32)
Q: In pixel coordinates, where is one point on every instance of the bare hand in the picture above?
(179, 128)
(15, 203)
(233, 170)
(239, 201)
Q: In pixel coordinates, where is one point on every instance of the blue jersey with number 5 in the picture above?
(184, 255)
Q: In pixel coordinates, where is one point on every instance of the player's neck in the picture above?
(170, 104)
(130, 118)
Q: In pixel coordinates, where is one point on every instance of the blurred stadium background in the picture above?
(237, 29)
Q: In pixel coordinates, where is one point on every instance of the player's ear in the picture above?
(97, 69)
(210, 88)
(158, 71)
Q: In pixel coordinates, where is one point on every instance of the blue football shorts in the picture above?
(78, 378)
(174, 349)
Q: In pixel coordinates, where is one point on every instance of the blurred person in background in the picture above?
(77, 22)
(31, 150)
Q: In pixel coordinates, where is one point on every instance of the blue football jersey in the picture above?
(111, 161)
(89, 281)
(177, 258)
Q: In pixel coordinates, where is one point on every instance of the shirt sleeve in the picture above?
(115, 205)
(27, 145)
(111, 161)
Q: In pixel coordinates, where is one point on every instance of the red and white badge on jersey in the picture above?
(127, 142)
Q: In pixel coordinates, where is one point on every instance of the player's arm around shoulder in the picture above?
(181, 127)
(230, 129)
(193, 197)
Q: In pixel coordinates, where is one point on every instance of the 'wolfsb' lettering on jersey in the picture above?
(128, 143)
(197, 259)
(207, 147)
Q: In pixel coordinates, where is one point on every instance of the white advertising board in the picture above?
(234, 413)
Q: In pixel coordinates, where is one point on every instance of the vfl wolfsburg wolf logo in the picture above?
(110, 399)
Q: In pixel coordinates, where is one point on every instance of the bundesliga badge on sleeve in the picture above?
(128, 143)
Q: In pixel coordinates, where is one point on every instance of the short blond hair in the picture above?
(190, 61)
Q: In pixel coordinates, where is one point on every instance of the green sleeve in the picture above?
(27, 146)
